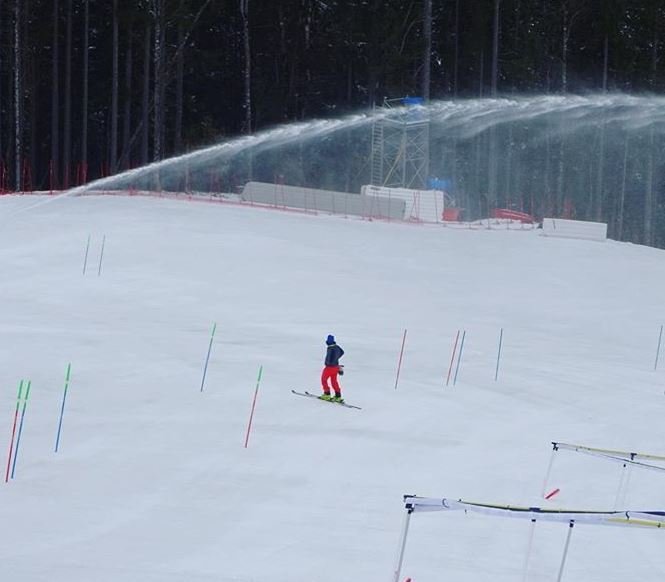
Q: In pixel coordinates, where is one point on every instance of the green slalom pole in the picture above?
(251, 414)
(20, 426)
(62, 408)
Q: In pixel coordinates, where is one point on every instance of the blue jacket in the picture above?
(333, 354)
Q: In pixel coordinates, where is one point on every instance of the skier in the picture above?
(330, 371)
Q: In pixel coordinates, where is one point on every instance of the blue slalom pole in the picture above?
(101, 256)
(62, 408)
(205, 367)
(660, 337)
(85, 258)
(459, 357)
(498, 356)
(20, 427)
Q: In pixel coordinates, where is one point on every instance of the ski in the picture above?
(310, 395)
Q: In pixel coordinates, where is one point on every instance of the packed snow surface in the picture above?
(152, 481)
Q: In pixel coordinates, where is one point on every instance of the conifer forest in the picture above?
(92, 88)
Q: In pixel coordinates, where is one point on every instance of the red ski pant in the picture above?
(329, 374)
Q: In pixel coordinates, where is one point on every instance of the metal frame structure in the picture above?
(416, 504)
(400, 145)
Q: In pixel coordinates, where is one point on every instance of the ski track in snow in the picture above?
(152, 481)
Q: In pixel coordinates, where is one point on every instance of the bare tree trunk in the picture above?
(600, 189)
(547, 207)
(32, 91)
(508, 182)
(606, 58)
(18, 92)
(180, 71)
(564, 46)
(158, 99)
(493, 161)
(1, 102)
(622, 199)
(516, 33)
(560, 177)
(548, 204)
(495, 46)
(479, 142)
(247, 106)
(127, 113)
(493, 169)
(145, 104)
(114, 90)
(597, 208)
(456, 65)
(649, 192)
(55, 94)
(567, 24)
(427, 55)
(349, 83)
(564, 59)
(84, 114)
(308, 4)
(68, 100)
(649, 197)
(654, 52)
(567, 21)
(374, 53)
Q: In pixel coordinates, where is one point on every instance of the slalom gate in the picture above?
(415, 504)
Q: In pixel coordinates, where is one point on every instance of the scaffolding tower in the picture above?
(400, 145)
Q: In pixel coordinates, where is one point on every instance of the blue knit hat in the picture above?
(330, 340)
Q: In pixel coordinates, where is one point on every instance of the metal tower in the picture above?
(400, 145)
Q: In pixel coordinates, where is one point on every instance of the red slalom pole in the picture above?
(452, 359)
(11, 444)
(552, 493)
(399, 363)
(251, 414)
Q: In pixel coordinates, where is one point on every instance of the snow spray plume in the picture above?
(335, 154)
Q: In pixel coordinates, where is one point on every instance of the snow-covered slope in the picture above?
(152, 482)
